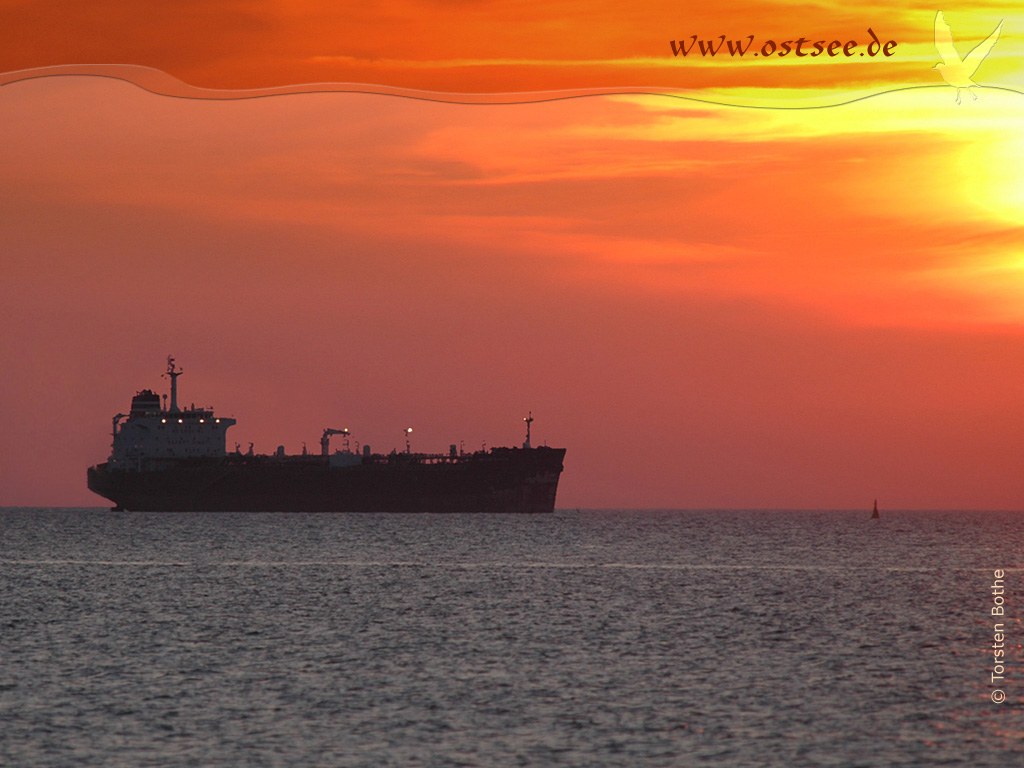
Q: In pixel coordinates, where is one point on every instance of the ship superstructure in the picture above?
(151, 432)
(165, 458)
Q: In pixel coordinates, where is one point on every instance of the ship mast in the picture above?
(173, 373)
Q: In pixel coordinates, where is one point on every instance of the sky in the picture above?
(718, 283)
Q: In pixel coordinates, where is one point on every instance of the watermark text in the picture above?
(998, 635)
(799, 48)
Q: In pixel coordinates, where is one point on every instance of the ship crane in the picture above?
(325, 441)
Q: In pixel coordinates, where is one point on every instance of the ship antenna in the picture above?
(173, 373)
(529, 421)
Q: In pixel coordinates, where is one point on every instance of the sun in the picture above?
(992, 163)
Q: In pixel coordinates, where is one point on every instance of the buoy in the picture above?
(875, 515)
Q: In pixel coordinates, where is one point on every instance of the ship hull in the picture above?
(510, 480)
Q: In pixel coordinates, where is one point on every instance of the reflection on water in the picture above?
(582, 639)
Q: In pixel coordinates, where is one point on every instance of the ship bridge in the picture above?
(151, 431)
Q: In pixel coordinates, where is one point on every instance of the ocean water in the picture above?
(584, 638)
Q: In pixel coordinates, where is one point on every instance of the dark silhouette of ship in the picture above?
(165, 458)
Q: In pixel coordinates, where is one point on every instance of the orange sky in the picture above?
(709, 306)
(484, 47)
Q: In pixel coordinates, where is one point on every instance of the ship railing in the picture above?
(415, 458)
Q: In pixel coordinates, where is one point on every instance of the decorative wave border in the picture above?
(161, 83)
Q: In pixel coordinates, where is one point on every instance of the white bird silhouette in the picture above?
(954, 70)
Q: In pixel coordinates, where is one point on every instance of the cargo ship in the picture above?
(166, 459)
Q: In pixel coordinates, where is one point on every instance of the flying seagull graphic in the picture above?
(954, 70)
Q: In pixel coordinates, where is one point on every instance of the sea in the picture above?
(582, 638)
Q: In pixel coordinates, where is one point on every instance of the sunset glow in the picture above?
(708, 305)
